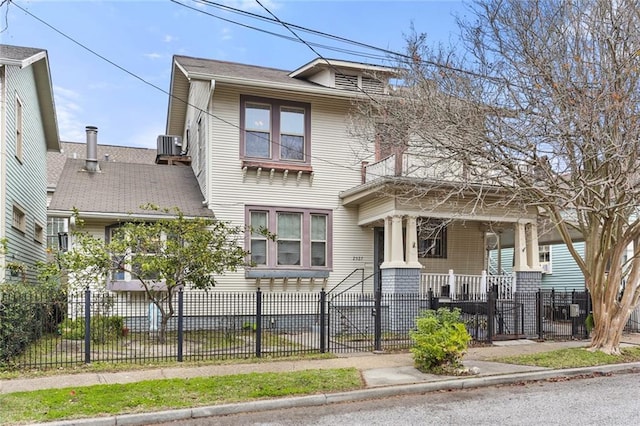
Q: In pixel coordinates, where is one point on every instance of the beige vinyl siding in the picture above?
(376, 209)
(26, 180)
(334, 170)
(465, 250)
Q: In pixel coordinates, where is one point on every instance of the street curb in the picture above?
(334, 398)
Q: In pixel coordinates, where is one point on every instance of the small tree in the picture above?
(439, 341)
(164, 256)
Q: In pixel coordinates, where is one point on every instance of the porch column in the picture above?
(396, 257)
(412, 243)
(533, 255)
(499, 242)
(387, 242)
(519, 247)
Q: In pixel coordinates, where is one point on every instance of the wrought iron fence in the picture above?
(127, 327)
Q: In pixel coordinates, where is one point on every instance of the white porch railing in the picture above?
(382, 168)
(430, 166)
(467, 287)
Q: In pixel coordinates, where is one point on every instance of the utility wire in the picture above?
(402, 58)
(137, 77)
(349, 78)
(301, 28)
(324, 46)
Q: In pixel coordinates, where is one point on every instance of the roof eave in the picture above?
(117, 216)
(319, 63)
(44, 89)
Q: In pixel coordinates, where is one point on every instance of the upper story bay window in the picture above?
(275, 132)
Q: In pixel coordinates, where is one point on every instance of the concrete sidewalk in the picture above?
(384, 375)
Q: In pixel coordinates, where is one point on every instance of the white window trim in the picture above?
(22, 226)
(546, 265)
(38, 233)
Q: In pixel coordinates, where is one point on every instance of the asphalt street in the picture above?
(602, 400)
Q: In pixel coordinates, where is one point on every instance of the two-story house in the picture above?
(274, 149)
(28, 129)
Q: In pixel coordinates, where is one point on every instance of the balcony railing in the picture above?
(423, 166)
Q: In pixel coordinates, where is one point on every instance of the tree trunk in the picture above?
(162, 334)
(608, 330)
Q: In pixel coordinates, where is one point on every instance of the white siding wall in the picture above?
(335, 169)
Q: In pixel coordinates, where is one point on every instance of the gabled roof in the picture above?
(37, 58)
(78, 150)
(119, 189)
(185, 69)
(314, 66)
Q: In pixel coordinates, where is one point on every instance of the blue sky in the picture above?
(142, 36)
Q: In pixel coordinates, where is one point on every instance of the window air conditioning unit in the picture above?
(169, 145)
(546, 267)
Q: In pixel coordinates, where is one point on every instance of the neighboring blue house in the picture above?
(559, 270)
(28, 129)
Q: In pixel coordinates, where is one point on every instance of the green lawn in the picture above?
(155, 395)
(572, 358)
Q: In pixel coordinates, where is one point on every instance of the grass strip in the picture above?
(572, 358)
(156, 395)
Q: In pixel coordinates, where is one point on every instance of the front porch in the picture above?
(433, 232)
(454, 286)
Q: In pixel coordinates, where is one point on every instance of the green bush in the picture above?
(439, 341)
(103, 328)
(27, 312)
(589, 323)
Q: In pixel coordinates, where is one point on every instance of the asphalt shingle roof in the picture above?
(121, 188)
(17, 53)
(77, 150)
(236, 70)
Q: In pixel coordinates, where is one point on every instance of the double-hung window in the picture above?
(432, 238)
(127, 265)
(295, 238)
(19, 219)
(275, 131)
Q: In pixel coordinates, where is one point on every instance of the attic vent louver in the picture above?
(169, 145)
(347, 82)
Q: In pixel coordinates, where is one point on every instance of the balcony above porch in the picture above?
(427, 167)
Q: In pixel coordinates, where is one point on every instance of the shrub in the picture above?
(27, 312)
(589, 323)
(103, 328)
(439, 341)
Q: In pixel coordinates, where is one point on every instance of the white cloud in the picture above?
(252, 4)
(154, 56)
(169, 38)
(226, 34)
(68, 110)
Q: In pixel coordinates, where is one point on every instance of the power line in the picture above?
(301, 28)
(282, 36)
(137, 77)
(403, 58)
(355, 84)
